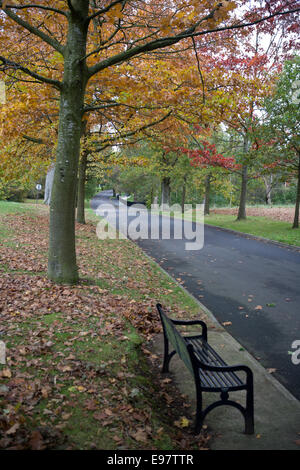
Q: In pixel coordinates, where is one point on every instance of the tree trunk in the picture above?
(183, 196)
(49, 184)
(297, 205)
(81, 189)
(62, 265)
(165, 191)
(268, 188)
(243, 196)
(207, 194)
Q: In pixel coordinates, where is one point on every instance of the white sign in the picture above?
(2, 352)
(2, 92)
(38, 187)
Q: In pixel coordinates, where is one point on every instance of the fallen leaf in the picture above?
(183, 422)
(13, 429)
(166, 381)
(36, 441)
(6, 373)
(140, 435)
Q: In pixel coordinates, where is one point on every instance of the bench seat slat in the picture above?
(208, 355)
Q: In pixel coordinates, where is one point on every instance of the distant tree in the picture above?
(281, 127)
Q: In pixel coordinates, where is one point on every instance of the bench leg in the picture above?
(199, 414)
(249, 412)
(167, 356)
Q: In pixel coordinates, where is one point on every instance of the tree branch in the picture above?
(40, 7)
(172, 40)
(9, 64)
(34, 139)
(129, 134)
(32, 29)
(105, 10)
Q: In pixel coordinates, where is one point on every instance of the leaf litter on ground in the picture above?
(77, 355)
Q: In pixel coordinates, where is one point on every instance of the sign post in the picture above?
(38, 188)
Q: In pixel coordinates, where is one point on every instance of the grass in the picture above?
(259, 226)
(80, 372)
(264, 227)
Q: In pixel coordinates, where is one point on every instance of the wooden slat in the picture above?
(208, 355)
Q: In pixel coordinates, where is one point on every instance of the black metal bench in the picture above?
(211, 373)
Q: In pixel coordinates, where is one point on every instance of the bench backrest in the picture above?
(175, 339)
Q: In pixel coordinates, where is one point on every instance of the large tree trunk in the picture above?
(81, 189)
(165, 192)
(62, 265)
(243, 196)
(207, 194)
(297, 205)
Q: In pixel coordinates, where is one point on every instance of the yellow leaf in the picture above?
(183, 422)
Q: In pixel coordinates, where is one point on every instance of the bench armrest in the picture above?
(193, 322)
(185, 322)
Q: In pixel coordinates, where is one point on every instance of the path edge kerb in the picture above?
(256, 237)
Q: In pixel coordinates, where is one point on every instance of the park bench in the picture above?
(210, 372)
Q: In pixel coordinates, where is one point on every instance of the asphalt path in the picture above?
(251, 286)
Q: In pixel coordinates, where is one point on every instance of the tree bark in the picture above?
(268, 188)
(81, 189)
(207, 194)
(49, 184)
(297, 205)
(165, 191)
(62, 255)
(183, 196)
(243, 196)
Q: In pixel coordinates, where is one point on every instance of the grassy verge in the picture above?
(79, 373)
(259, 226)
